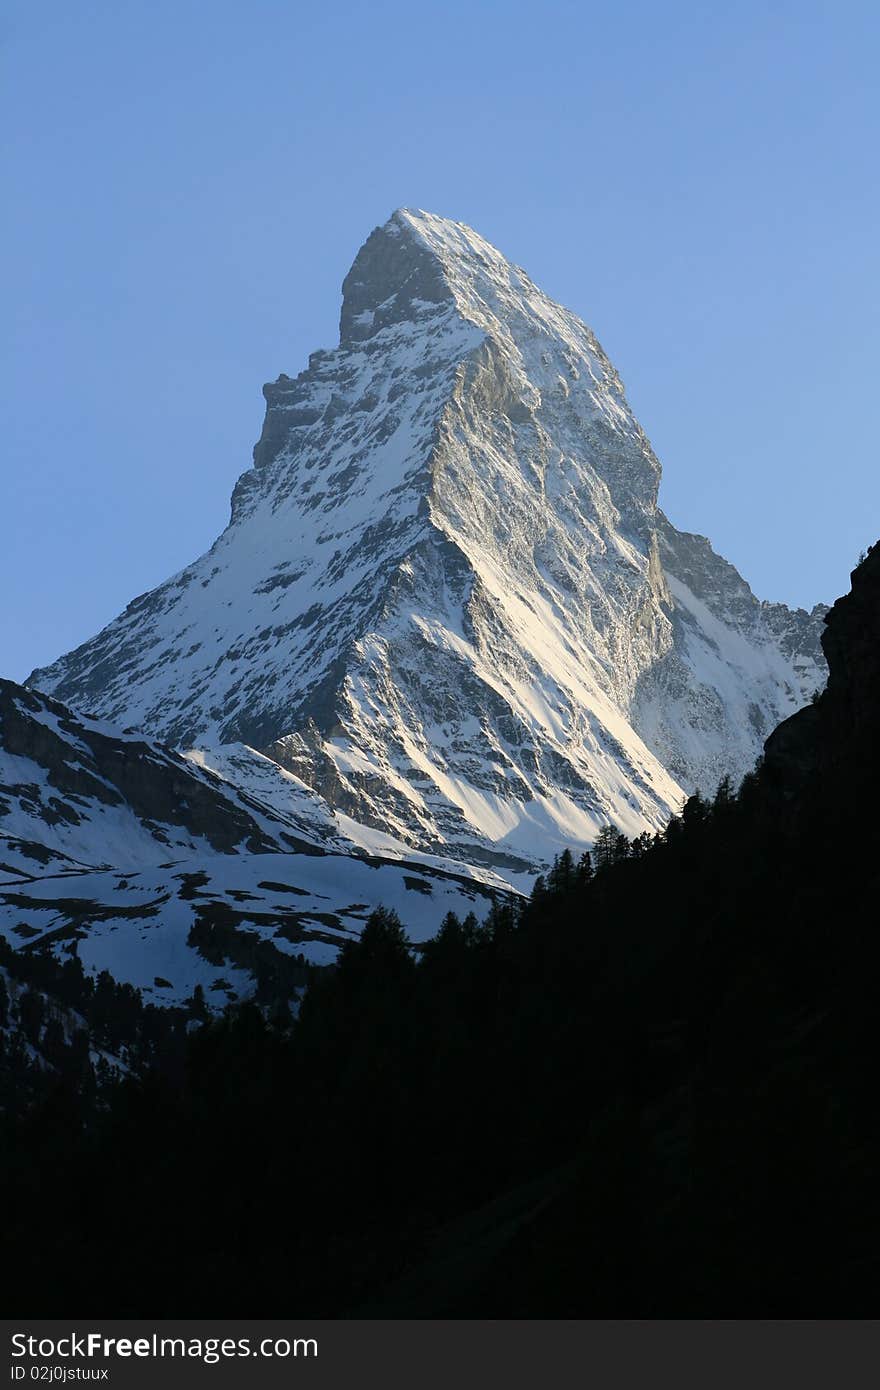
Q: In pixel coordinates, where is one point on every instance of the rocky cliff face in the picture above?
(446, 599)
(736, 666)
(83, 792)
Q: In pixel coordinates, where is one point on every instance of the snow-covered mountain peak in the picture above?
(446, 600)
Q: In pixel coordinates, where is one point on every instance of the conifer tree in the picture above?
(605, 848)
(562, 876)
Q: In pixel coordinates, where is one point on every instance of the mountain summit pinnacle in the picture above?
(446, 599)
(395, 276)
(416, 262)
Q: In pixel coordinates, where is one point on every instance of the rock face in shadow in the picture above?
(838, 734)
(81, 762)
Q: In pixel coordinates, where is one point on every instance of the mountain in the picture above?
(161, 872)
(446, 599)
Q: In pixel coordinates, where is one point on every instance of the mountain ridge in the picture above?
(171, 875)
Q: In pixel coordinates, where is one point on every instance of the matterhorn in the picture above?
(447, 617)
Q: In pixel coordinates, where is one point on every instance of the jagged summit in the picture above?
(394, 276)
(446, 599)
(417, 261)
(417, 266)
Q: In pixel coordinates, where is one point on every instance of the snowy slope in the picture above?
(141, 858)
(446, 601)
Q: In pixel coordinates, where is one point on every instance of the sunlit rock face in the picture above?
(446, 599)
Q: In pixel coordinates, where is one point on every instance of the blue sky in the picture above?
(187, 183)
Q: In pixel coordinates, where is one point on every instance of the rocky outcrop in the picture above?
(839, 733)
(80, 763)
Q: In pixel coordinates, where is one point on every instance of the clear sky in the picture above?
(186, 184)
